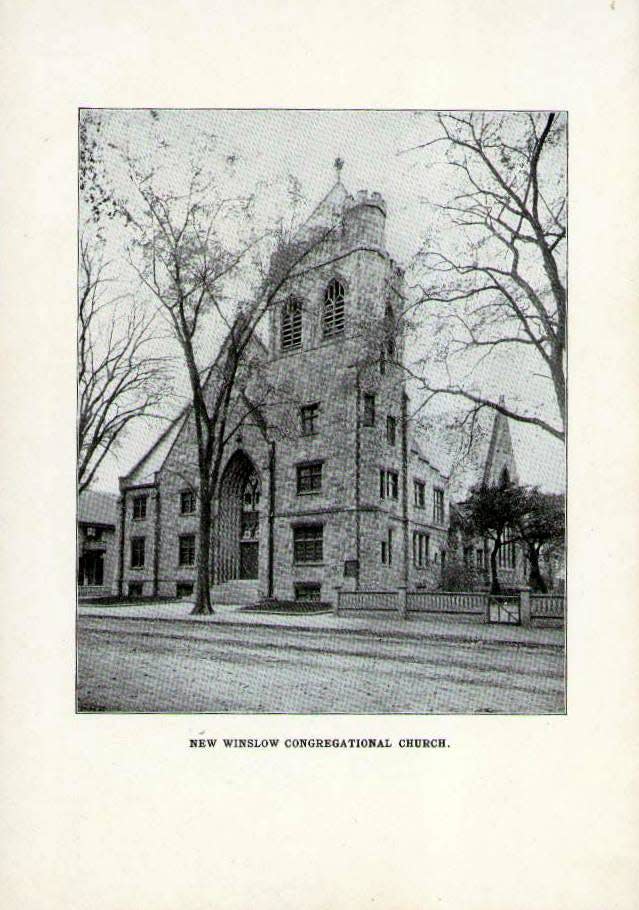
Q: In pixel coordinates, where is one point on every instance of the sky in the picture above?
(261, 149)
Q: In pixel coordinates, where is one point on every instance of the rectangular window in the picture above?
(135, 589)
(438, 506)
(420, 494)
(506, 554)
(369, 410)
(137, 552)
(391, 430)
(184, 589)
(309, 419)
(308, 543)
(420, 548)
(187, 502)
(139, 507)
(388, 485)
(384, 552)
(309, 477)
(390, 546)
(308, 591)
(187, 550)
(468, 556)
(480, 559)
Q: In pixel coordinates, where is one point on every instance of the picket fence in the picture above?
(541, 607)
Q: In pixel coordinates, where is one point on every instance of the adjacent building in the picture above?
(97, 550)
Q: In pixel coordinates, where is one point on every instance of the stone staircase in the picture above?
(238, 591)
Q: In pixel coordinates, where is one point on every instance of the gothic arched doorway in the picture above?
(239, 520)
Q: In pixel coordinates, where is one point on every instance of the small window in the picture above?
(291, 325)
(390, 546)
(308, 543)
(137, 552)
(333, 309)
(391, 430)
(184, 589)
(187, 550)
(309, 477)
(382, 362)
(187, 502)
(438, 506)
(505, 477)
(480, 559)
(421, 543)
(139, 507)
(308, 591)
(136, 589)
(420, 494)
(388, 485)
(369, 409)
(384, 553)
(309, 418)
(468, 557)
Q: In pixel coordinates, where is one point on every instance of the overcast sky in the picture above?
(265, 147)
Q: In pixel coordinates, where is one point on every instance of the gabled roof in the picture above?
(328, 209)
(96, 507)
(145, 470)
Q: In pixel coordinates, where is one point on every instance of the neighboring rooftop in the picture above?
(98, 508)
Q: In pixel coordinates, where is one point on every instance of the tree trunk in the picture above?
(203, 586)
(536, 579)
(495, 587)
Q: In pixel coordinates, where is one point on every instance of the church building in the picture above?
(325, 482)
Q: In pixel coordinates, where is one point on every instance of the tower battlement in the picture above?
(366, 197)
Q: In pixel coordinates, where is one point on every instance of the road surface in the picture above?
(135, 665)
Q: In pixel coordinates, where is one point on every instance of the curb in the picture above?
(394, 634)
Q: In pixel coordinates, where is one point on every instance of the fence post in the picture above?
(524, 607)
(402, 601)
(338, 591)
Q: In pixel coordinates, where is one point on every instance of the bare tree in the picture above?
(194, 252)
(119, 380)
(502, 285)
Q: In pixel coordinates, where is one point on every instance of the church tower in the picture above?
(335, 356)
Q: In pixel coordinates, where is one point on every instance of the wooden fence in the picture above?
(527, 608)
(438, 602)
(377, 601)
(547, 606)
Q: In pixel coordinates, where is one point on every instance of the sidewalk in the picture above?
(388, 625)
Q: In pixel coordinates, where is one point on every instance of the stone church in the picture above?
(326, 484)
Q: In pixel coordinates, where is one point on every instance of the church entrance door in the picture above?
(239, 520)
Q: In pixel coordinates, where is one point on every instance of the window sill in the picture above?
(304, 565)
(137, 568)
(309, 492)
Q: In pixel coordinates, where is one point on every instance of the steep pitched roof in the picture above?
(150, 463)
(328, 209)
(500, 455)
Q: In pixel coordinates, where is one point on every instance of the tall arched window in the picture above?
(505, 477)
(333, 309)
(291, 325)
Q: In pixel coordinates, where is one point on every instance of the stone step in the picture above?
(238, 591)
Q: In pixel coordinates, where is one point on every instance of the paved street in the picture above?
(132, 664)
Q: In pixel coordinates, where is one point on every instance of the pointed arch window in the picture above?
(334, 309)
(291, 325)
